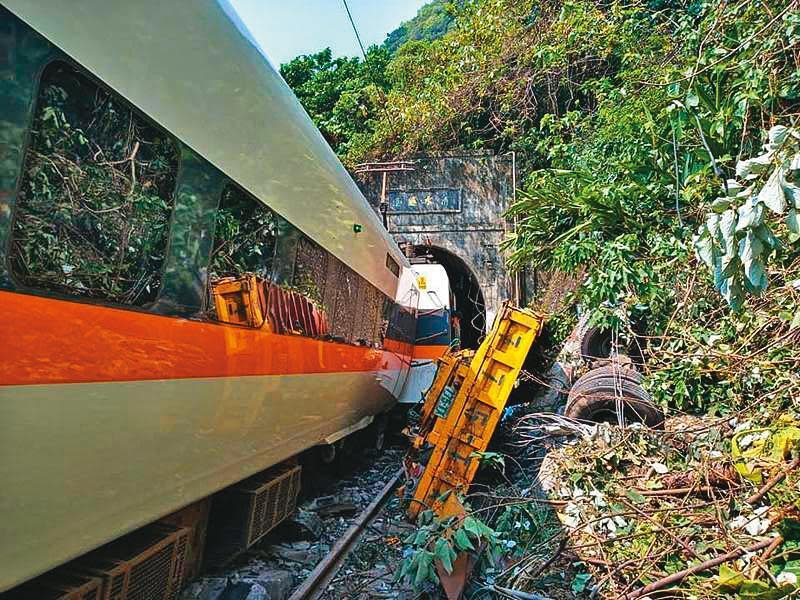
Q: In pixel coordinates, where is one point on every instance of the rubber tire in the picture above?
(596, 343)
(608, 371)
(379, 440)
(594, 398)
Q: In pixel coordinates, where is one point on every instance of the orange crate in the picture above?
(238, 300)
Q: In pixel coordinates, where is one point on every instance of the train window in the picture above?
(95, 197)
(287, 247)
(392, 265)
(242, 259)
(245, 236)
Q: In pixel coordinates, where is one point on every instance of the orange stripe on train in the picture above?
(57, 341)
(429, 352)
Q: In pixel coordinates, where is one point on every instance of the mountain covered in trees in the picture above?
(342, 94)
(659, 152)
(431, 22)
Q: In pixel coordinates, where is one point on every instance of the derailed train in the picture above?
(192, 288)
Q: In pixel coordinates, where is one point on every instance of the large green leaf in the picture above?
(792, 193)
(721, 204)
(462, 540)
(712, 224)
(751, 214)
(777, 136)
(471, 526)
(424, 570)
(750, 248)
(765, 234)
(445, 553)
(704, 247)
(731, 289)
(793, 223)
(727, 231)
(772, 193)
(753, 167)
(750, 251)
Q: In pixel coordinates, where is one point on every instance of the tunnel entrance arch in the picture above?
(467, 298)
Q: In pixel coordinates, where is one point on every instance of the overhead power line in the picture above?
(355, 29)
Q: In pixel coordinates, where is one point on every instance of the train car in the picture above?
(192, 288)
(433, 330)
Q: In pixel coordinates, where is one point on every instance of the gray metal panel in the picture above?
(192, 66)
(124, 454)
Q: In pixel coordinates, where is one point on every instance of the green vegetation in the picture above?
(431, 22)
(95, 197)
(244, 237)
(629, 121)
(342, 95)
(659, 162)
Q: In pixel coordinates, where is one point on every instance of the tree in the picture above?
(342, 95)
(431, 22)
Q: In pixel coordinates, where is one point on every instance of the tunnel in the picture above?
(467, 297)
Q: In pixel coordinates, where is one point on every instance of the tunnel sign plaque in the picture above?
(434, 200)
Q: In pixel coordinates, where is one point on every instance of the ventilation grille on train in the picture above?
(244, 513)
(271, 501)
(58, 585)
(145, 565)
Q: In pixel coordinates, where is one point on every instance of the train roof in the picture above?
(193, 67)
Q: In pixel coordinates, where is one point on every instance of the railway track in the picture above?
(318, 580)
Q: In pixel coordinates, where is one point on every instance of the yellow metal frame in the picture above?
(482, 382)
(236, 300)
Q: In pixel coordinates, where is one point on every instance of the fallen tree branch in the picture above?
(704, 566)
(543, 566)
(518, 594)
(684, 491)
(761, 561)
(682, 543)
(773, 481)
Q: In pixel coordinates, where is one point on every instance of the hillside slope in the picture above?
(660, 156)
(431, 22)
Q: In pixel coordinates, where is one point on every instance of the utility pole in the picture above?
(384, 168)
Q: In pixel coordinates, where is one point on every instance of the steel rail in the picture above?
(319, 579)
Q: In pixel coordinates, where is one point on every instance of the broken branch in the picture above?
(704, 566)
(773, 481)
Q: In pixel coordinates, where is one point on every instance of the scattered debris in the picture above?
(606, 507)
(601, 507)
(635, 503)
(276, 566)
(306, 525)
(344, 509)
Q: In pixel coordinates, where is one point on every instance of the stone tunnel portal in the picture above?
(466, 296)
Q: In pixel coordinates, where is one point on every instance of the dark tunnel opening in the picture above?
(467, 298)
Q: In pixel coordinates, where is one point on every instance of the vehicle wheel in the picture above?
(379, 440)
(327, 453)
(598, 395)
(607, 373)
(376, 433)
(596, 343)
